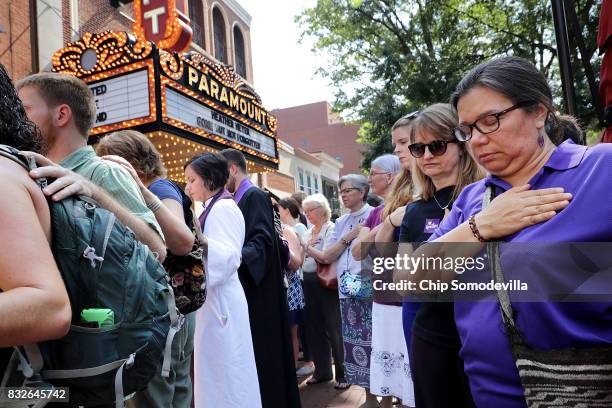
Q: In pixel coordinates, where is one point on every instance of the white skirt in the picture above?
(389, 364)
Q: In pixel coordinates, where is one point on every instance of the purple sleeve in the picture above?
(374, 218)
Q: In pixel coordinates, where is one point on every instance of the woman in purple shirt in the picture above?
(547, 190)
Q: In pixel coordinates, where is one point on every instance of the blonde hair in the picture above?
(440, 119)
(402, 189)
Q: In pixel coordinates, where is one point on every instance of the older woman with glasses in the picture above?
(540, 189)
(354, 284)
(323, 314)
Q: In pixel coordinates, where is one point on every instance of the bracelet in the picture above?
(154, 205)
(474, 228)
(345, 242)
(391, 222)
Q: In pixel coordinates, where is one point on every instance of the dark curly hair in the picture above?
(16, 130)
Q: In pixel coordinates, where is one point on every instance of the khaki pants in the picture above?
(176, 390)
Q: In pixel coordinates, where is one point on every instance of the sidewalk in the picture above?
(324, 395)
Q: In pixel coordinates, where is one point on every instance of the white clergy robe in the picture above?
(224, 363)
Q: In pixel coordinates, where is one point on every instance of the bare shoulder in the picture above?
(17, 184)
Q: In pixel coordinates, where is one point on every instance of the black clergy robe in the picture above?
(262, 280)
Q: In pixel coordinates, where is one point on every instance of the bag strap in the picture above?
(176, 323)
(493, 252)
(27, 163)
(327, 227)
(197, 227)
(14, 155)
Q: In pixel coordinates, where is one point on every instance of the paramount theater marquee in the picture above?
(185, 103)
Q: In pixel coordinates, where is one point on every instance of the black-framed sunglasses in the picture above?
(437, 148)
(487, 124)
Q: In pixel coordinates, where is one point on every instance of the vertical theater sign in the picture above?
(163, 22)
(185, 102)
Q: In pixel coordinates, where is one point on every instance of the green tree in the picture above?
(390, 57)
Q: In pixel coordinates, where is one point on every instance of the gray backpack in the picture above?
(103, 266)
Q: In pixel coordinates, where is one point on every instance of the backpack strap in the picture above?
(177, 320)
(13, 154)
(497, 275)
(93, 371)
(34, 357)
(27, 163)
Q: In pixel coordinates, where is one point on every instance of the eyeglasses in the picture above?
(348, 190)
(372, 174)
(309, 210)
(485, 125)
(437, 148)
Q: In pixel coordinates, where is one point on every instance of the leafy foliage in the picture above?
(389, 57)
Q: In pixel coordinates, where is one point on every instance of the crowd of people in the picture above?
(497, 163)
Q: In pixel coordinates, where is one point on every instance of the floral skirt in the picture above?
(356, 315)
(389, 364)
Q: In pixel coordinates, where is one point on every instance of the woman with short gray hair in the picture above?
(354, 285)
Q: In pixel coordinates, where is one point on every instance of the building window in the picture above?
(316, 184)
(196, 15)
(239, 53)
(301, 177)
(219, 32)
(308, 183)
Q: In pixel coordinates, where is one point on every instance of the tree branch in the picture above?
(500, 30)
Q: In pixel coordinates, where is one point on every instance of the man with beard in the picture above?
(64, 110)
(262, 280)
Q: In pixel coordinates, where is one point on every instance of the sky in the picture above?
(283, 70)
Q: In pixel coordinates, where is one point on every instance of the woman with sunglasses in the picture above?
(543, 189)
(442, 168)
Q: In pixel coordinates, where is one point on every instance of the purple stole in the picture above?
(222, 194)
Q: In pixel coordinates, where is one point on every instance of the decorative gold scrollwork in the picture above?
(110, 50)
(272, 123)
(171, 64)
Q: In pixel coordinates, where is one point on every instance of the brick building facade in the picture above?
(16, 38)
(35, 29)
(316, 128)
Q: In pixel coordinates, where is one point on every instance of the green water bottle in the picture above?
(104, 317)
